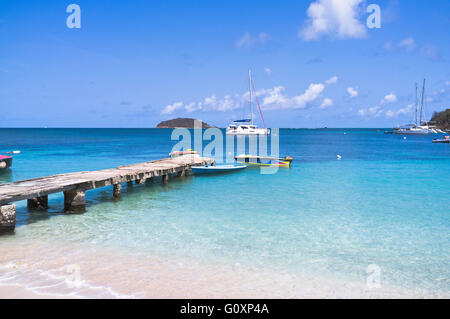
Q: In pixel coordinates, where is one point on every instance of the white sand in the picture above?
(50, 270)
(15, 292)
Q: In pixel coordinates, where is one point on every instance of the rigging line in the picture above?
(257, 101)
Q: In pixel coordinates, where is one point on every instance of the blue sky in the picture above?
(135, 63)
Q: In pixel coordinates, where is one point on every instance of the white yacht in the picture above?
(247, 126)
(424, 128)
(412, 129)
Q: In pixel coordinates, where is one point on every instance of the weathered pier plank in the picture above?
(74, 185)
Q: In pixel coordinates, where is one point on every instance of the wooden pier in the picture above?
(74, 185)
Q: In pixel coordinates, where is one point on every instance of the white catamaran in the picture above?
(424, 128)
(246, 126)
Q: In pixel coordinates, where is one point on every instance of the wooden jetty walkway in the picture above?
(74, 185)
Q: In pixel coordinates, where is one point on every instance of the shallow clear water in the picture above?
(385, 203)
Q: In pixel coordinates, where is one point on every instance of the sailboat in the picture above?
(247, 126)
(421, 127)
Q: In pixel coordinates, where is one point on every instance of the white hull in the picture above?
(400, 132)
(420, 130)
(258, 131)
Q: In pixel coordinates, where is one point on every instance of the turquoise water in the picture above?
(385, 203)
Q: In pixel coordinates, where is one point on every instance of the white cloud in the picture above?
(271, 99)
(409, 44)
(327, 102)
(268, 71)
(211, 103)
(247, 40)
(390, 98)
(447, 83)
(311, 94)
(169, 109)
(377, 111)
(395, 113)
(352, 92)
(374, 111)
(192, 107)
(335, 18)
(332, 80)
(275, 97)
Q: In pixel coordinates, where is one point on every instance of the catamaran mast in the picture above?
(421, 104)
(250, 91)
(416, 103)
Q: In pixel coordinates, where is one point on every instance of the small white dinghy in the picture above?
(217, 169)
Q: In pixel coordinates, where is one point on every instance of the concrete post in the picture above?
(140, 181)
(75, 200)
(165, 178)
(116, 191)
(38, 203)
(182, 173)
(7, 218)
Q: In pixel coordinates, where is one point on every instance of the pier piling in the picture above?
(116, 191)
(38, 203)
(140, 181)
(7, 218)
(74, 200)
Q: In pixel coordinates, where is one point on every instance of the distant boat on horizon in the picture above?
(246, 126)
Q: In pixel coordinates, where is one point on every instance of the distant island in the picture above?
(180, 122)
(442, 119)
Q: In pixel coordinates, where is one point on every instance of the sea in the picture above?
(371, 223)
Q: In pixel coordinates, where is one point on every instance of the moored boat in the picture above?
(420, 127)
(216, 169)
(183, 153)
(445, 140)
(264, 160)
(5, 161)
(247, 126)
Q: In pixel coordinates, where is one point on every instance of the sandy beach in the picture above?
(68, 271)
(15, 292)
